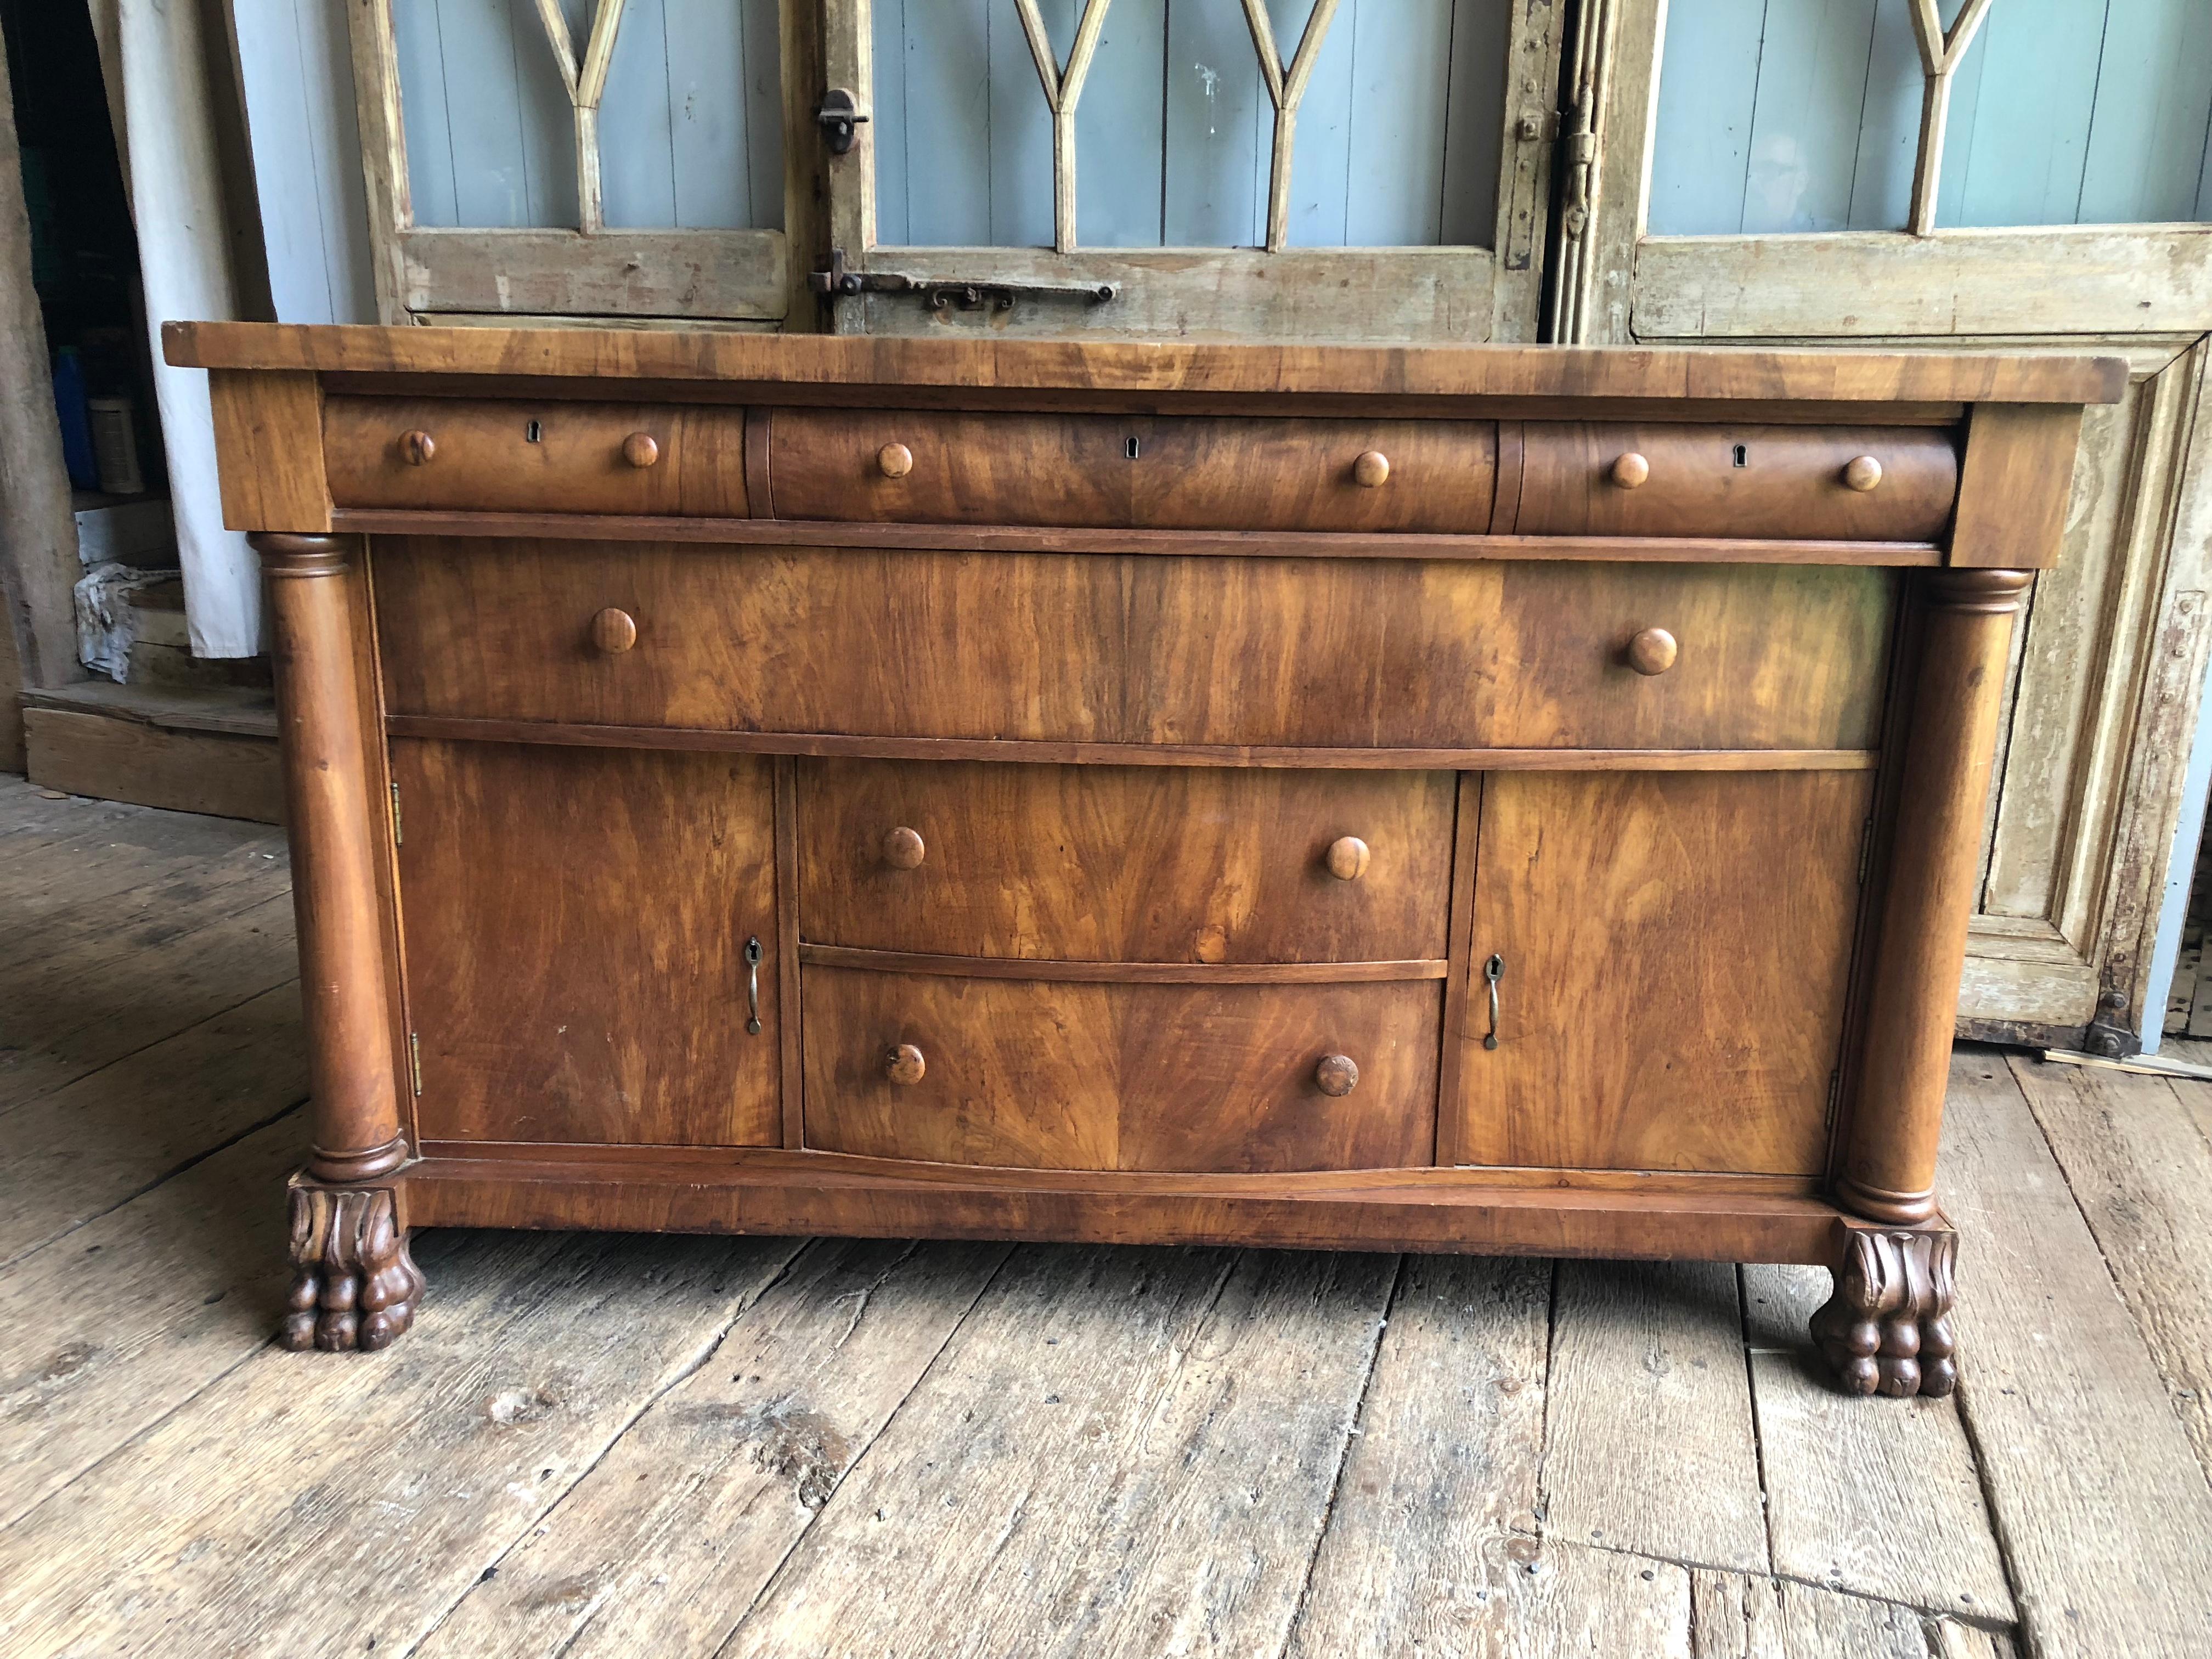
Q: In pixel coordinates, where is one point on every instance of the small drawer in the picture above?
(1103, 472)
(1054, 1075)
(1125, 863)
(553, 457)
(1801, 483)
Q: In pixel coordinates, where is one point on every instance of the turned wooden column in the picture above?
(342, 967)
(1889, 1165)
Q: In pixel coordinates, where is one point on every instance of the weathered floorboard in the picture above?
(1740, 1618)
(2101, 1505)
(104, 1331)
(1122, 1450)
(666, 1541)
(1878, 1498)
(312, 1503)
(87, 1147)
(1649, 1443)
(2136, 1154)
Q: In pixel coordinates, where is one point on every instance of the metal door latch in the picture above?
(840, 119)
(943, 293)
(1492, 971)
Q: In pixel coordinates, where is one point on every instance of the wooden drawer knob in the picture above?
(614, 630)
(640, 450)
(1336, 1075)
(1652, 651)
(1347, 857)
(1631, 471)
(1863, 473)
(903, 1064)
(417, 448)
(1371, 470)
(903, 848)
(895, 460)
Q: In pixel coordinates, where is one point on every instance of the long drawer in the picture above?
(1091, 648)
(1158, 472)
(1042, 1074)
(1125, 864)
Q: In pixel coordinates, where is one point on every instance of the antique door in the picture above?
(1323, 169)
(556, 159)
(1339, 169)
(2000, 172)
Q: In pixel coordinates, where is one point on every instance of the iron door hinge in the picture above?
(1578, 155)
(397, 839)
(946, 294)
(839, 119)
(415, 1061)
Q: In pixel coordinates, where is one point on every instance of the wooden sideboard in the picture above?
(1474, 800)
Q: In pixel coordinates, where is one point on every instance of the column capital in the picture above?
(284, 553)
(1990, 592)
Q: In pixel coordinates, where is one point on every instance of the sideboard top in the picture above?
(1143, 366)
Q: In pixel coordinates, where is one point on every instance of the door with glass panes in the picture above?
(1321, 169)
(2007, 173)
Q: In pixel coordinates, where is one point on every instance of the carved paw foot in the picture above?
(1888, 1328)
(353, 1283)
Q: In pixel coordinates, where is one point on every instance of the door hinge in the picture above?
(415, 1060)
(1866, 850)
(1835, 1098)
(1578, 155)
(946, 294)
(397, 839)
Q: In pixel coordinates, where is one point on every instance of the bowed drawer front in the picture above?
(1134, 863)
(1038, 1073)
(1092, 648)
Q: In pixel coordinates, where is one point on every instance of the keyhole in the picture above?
(533, 432)
(1129, 447)
(1741, 455)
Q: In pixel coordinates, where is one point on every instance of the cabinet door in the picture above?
(575, 923)
(1676, 952)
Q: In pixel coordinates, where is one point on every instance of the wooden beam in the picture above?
(383, 152)
(1285, 90)
(37, 531)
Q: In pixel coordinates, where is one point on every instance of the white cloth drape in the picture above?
(154, 57)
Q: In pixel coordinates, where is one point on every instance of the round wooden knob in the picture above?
(903, 848)
(1631, 471)
(1652, 651)
(417, 448)
(1347, 857)
(903, 1064)
(1371, 470)
(640, 450)
(614, 630)
(895, 460)
(1336, 1075)
(1863, 473)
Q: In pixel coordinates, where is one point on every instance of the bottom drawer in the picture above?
(1045, 1074)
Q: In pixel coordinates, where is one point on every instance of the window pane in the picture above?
(1776, 115)
(690, 120)
(1398, 134)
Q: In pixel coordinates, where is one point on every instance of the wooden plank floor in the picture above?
(603, 1445)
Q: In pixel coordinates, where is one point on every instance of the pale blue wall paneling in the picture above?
(690, 121)
(2063, 112)
(1398, 136)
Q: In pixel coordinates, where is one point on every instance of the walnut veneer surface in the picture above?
(1457, 798)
